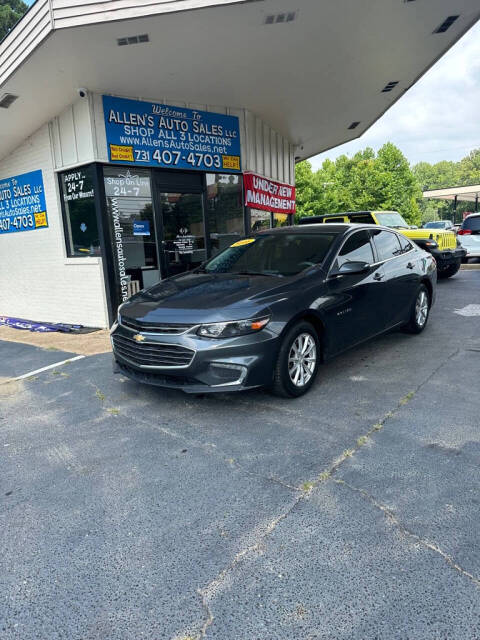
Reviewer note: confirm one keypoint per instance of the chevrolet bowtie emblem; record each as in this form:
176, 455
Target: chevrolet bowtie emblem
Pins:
139, 337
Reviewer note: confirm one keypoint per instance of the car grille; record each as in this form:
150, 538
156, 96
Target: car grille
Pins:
445, 240
174, 328
149, 354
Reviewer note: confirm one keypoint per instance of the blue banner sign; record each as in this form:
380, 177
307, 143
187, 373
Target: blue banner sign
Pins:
22, 203
158, 135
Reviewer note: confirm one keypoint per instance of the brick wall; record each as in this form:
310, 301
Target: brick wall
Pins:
37, 280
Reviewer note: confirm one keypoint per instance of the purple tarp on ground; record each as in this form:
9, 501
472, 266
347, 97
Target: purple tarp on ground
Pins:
44, 327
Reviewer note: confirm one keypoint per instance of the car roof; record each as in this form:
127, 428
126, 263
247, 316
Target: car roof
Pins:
471, 215
321, 228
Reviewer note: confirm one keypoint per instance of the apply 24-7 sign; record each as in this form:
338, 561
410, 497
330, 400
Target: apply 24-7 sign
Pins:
158, 135
22, 203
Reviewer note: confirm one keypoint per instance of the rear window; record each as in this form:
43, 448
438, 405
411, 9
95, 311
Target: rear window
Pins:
472, 223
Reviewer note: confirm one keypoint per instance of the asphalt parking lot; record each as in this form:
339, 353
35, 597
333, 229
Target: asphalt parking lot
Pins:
131, 512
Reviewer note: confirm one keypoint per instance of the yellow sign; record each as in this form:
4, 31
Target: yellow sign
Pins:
117, 152
41, 219
240, 243
231, 162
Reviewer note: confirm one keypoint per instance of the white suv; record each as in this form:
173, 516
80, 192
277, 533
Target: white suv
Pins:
469, 236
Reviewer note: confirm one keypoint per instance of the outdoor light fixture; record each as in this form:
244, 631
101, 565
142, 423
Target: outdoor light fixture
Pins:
133, 40
7, 100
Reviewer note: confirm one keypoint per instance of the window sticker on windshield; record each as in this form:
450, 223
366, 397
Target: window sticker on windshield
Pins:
240, 243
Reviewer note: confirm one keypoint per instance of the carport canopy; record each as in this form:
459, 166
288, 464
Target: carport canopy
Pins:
466, 194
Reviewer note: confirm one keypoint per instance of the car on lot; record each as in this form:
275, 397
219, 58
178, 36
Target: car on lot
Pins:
440, 224
270, 308
469, 235
441, 243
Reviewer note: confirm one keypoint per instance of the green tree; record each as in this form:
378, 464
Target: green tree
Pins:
363, 182
10, 13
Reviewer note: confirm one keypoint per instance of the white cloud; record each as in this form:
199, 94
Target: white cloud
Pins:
439, 118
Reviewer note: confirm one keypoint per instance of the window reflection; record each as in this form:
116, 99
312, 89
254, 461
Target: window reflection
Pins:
224, 210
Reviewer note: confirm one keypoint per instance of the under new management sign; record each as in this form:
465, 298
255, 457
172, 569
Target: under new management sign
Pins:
268, 195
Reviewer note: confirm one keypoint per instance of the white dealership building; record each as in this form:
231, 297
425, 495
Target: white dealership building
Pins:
138, 138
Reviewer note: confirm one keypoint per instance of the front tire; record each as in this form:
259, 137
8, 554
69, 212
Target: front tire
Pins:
420, 311
297, 361
449, 271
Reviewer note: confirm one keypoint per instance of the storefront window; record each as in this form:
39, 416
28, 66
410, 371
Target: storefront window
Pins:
281, 219
260, 220
225, 210
132, 229
78, 196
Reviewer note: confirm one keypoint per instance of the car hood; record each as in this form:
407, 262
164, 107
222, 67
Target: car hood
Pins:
198, 298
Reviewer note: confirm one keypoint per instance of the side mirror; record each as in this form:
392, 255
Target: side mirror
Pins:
351, 268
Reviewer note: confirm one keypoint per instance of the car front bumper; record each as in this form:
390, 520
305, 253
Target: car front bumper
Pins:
447, 257
216, 365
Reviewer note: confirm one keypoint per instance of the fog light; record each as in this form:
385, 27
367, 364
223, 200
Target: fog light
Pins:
227, 373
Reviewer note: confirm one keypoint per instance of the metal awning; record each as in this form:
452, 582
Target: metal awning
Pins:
318, 73
470, 193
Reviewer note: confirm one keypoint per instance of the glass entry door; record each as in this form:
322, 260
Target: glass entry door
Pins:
183, 244
132, 230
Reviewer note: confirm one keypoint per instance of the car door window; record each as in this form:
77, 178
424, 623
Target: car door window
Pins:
405, 244
357, 248
387, 244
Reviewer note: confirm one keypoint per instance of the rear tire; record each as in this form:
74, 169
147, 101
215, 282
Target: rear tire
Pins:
449, 271
420, 311
297, 361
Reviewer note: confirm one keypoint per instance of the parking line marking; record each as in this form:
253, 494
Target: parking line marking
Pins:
50, 366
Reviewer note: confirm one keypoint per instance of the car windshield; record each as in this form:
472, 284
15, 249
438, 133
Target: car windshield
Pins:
276, 254
391, 219
436, 225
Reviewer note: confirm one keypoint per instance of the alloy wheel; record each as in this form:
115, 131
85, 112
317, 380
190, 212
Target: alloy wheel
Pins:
302, 359
421, 308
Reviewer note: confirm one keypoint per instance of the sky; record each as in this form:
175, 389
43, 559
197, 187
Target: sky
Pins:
438, 118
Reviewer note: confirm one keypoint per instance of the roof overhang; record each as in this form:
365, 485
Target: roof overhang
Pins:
466, 194
311, 77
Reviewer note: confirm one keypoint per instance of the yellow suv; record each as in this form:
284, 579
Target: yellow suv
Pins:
442, 244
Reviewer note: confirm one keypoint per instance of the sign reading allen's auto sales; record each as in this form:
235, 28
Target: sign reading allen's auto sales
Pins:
268, 195
150, 134
22, 203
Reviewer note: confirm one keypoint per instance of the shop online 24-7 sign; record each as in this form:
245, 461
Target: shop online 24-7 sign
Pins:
22, 203
158, 135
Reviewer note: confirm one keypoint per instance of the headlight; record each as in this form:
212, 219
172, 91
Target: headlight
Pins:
232, 329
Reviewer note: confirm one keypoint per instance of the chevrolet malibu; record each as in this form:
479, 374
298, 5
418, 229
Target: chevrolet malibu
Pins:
269, 309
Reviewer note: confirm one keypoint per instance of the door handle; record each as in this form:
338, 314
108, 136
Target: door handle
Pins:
378, 276
410, 265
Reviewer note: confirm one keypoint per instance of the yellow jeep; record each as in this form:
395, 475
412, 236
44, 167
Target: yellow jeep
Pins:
443, 245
